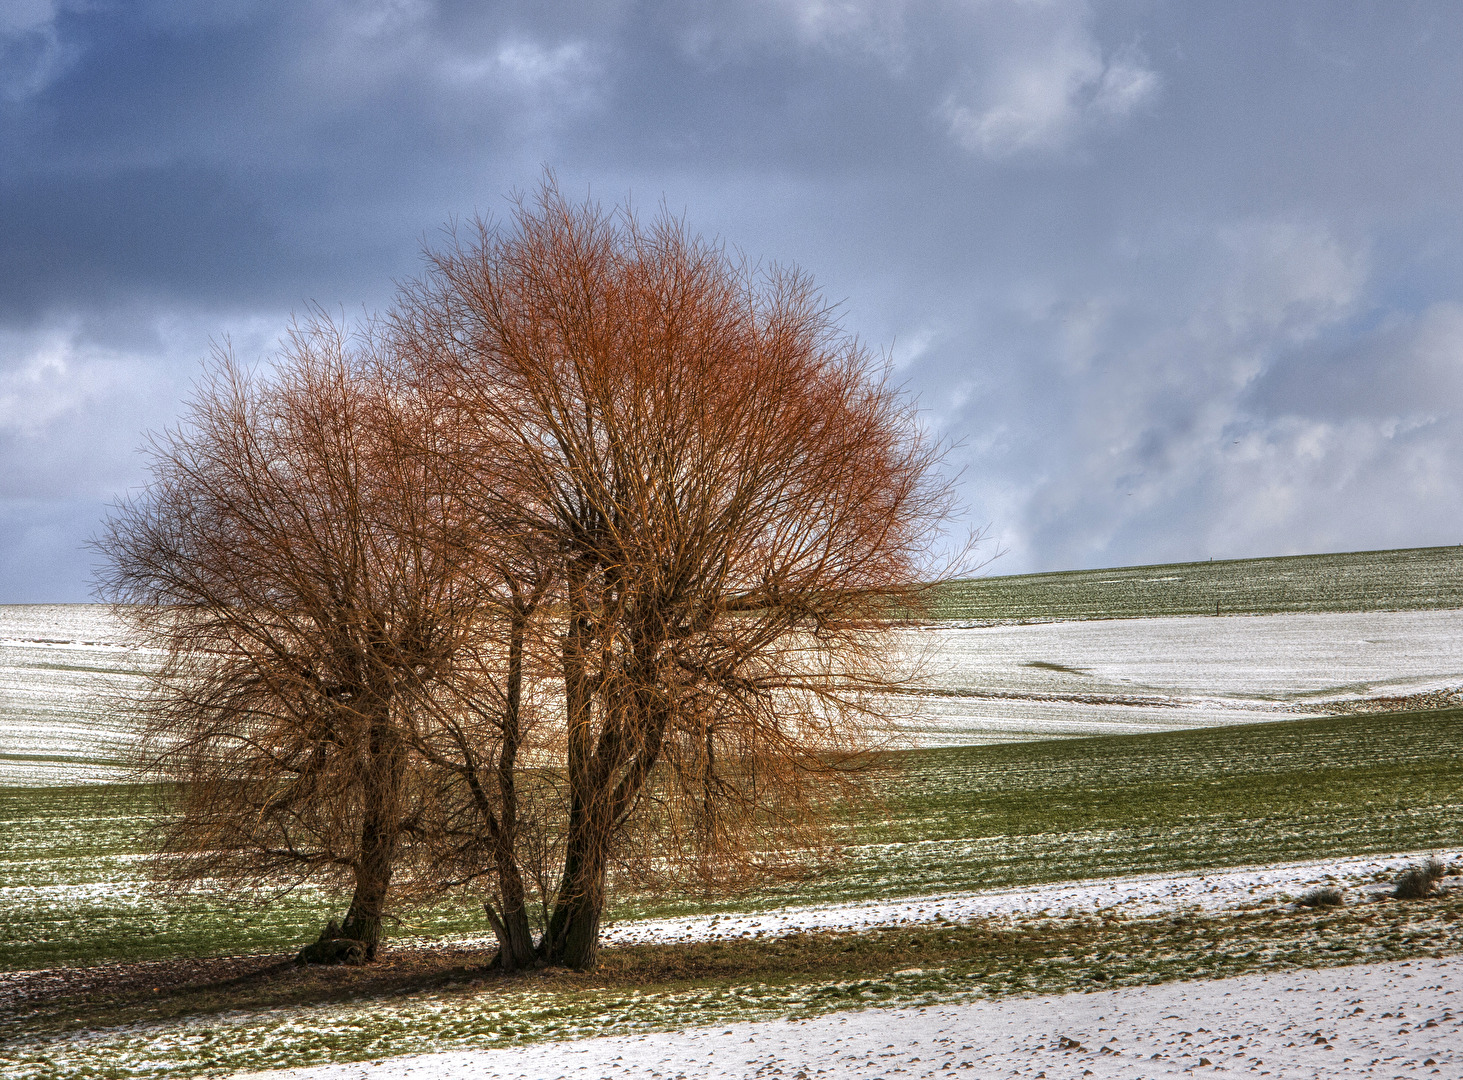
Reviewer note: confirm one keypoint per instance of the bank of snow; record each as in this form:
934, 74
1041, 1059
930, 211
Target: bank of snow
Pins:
1141, 894
1398, 1019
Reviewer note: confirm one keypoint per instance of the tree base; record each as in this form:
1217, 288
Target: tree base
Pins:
332, 948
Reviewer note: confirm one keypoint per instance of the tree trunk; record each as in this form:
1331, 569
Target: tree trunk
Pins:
510, 922
373, 878
577, 945
380, 833
572, 937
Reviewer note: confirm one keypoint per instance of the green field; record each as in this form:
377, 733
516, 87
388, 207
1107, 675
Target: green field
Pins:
951, 819
1402, 580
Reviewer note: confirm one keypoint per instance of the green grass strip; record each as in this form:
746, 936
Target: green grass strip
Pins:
1400, 580
1025, 813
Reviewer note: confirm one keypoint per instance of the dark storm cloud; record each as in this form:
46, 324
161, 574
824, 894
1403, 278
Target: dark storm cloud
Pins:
1182, 280
252, 159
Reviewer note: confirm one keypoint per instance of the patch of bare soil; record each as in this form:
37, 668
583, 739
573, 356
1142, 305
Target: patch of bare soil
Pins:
1447, 698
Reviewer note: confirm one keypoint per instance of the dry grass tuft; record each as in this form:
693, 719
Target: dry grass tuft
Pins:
1420, 881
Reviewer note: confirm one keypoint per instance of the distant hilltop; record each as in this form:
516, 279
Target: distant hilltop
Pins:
1408, 579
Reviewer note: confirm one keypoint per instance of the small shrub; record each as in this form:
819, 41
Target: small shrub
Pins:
1420, 881
1325, 896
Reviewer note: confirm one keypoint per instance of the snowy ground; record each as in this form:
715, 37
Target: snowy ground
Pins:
1382, 1020
1142, 894
65, 669
1099, 677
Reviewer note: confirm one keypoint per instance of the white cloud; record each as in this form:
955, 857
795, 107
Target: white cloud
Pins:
715, 34
1006, 77
1286, 279
55, 375
908, 349
1299, 484
382, 18
534, 67
1433, 363
35, 393
1150, 438
1126, 85
541, 84
1347, 449
75, 398
20, 17
873, 25
32, 53
1049, 86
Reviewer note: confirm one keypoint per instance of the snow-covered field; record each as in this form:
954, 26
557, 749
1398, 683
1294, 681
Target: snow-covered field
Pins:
1042, 680
65, 669
1379, 1020
666, 1032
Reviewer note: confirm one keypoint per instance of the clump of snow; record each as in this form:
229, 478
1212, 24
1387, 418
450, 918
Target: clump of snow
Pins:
1397, 1019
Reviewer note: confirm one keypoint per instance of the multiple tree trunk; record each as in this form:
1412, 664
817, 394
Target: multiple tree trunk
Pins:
603, 532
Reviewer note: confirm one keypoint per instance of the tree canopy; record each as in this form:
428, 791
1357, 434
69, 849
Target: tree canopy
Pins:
575, 570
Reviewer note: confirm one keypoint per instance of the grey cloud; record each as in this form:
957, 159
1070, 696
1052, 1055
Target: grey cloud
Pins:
204, 157
1408, 368
1208, 255
84, 241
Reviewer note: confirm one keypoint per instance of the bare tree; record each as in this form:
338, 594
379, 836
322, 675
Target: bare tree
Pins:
728, 503
583, 568
308, 588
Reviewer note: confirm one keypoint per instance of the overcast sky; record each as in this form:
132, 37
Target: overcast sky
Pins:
1183, 280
